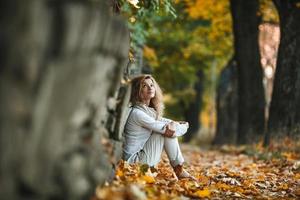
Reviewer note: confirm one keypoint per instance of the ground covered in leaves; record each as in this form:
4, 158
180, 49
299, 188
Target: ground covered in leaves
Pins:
228, 172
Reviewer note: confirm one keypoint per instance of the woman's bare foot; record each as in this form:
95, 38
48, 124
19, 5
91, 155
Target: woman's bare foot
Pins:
181, 173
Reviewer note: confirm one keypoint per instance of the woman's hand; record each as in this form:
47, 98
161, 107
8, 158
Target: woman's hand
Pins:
170, 129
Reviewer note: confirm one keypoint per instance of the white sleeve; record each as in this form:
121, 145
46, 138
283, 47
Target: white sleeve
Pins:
165, 120
181, 129
144, 120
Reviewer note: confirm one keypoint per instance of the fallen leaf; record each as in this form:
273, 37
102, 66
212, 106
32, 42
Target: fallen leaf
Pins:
203, 193
119, 173
148, 179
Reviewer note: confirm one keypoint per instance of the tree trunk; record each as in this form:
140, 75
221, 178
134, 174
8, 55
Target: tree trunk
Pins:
193, 111
250, 87
226, 106
60, 63
284, 117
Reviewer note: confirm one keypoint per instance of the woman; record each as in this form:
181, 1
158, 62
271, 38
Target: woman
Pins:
147, 133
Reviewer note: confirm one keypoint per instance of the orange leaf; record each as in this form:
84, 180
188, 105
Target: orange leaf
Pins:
222, 186
203, 180
284, 186
203, 193
148, 179
119, 173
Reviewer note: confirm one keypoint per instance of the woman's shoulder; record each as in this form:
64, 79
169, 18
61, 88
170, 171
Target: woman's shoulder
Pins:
137, 115
137, 111
140, 113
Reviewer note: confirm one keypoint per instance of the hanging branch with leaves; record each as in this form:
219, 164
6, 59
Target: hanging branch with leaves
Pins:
140, 14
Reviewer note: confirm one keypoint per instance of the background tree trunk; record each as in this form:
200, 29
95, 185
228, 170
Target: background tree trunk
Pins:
61, 61
285, 105
250, 87
227, 111
193, 111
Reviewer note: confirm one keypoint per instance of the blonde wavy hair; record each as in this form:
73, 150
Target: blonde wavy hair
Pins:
156, 102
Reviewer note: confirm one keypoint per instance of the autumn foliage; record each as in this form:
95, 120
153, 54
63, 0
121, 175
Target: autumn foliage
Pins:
229, 172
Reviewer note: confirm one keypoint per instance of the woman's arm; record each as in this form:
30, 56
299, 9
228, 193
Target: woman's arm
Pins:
144, 120
169, 120
167, 127
165, 119
179, 128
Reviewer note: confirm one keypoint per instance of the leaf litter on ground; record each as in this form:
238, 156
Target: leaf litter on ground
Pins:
227, 172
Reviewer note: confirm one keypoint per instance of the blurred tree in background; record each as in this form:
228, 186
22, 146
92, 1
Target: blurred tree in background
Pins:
187, 54
242, 79
251, 102
186, 44
285, 107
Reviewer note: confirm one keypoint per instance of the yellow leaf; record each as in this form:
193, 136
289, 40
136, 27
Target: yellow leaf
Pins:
102, 193
131, 56
239, 190
119, 173
203, 180
284, 186
148, 179
289, 155
222, 186
203, 193
260, 178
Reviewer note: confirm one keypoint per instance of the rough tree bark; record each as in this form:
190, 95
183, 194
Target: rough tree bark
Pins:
227, 111
284, 117
250, 87
60, 63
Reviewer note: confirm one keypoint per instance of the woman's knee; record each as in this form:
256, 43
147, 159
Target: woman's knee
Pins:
172, 139
157, 136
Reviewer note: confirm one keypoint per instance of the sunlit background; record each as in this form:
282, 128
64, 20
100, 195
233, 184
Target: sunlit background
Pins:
186, 45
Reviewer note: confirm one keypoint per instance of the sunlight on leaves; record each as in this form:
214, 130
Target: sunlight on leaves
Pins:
148, 179
229, 172
134, 3
203, 193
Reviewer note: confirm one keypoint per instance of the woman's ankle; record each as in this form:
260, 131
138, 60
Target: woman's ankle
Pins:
181, 173
178, 169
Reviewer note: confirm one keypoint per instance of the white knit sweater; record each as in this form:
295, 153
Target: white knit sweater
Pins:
141, 123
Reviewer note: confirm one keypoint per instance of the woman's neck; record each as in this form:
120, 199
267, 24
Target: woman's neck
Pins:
146, 103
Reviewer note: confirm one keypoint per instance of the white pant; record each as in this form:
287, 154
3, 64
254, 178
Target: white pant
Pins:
152, 150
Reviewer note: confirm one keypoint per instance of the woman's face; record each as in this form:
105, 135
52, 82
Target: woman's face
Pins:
147, 90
